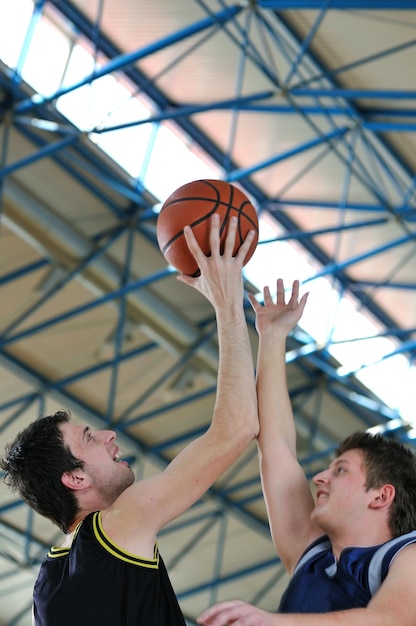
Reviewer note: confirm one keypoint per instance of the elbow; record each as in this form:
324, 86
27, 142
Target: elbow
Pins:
250, 431
252, 425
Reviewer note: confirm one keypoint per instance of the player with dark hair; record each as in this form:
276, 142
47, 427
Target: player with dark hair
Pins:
110, 572
351, 552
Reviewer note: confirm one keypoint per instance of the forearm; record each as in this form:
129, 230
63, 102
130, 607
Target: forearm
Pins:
350, 617
236, 400
275, 410
240, 613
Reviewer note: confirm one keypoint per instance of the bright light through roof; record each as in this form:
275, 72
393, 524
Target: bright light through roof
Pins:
349, 335
148, 150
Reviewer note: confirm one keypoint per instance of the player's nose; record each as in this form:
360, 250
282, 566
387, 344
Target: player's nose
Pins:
320, 478
108, 436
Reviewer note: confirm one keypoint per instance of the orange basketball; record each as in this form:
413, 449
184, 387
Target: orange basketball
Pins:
193, 204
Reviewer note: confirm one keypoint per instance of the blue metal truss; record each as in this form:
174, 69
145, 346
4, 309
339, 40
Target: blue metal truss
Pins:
310, 90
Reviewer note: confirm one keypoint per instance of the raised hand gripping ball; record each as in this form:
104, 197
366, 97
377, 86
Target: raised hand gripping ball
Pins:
193, 204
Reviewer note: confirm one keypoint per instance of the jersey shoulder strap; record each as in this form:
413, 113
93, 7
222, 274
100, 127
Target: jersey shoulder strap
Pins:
322, 544
383, 557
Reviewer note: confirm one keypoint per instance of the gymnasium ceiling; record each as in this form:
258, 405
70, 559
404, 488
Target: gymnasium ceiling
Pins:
309, 108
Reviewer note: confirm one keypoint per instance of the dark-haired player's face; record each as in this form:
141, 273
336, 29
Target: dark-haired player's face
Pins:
106, 472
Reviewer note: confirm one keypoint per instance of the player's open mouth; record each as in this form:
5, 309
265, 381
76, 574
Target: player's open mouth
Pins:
118, 459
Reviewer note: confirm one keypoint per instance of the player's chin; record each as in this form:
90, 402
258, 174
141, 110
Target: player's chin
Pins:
317, 516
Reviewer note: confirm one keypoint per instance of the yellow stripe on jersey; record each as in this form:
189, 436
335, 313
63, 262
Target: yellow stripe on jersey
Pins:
55, 552
118, 552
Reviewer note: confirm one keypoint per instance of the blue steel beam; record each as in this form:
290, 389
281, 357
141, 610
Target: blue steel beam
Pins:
121, 324
330, 74
23, 271
308, 145
236, 575
13, 504
34, 21
298, 235
369, 112
8, 404
193, 540
125, 60
377, 5
280, 204
390, 284
70, 275
52, 321
91, 371
334, 267
82, 162
185, 110
24, 402
190, 399
71, 400
219, 557
389, 127
353, 94
47, 151
353, 110
177, 367
252, 106
320, 365
325, 4
134, 74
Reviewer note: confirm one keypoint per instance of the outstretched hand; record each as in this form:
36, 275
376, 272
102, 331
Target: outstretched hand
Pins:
236, 613
284, 315
220, 280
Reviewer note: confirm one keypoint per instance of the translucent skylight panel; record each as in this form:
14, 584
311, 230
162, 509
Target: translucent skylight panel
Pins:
163, 158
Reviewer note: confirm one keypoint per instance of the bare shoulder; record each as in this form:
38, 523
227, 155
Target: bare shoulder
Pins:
395, 599
131, 522
405, 562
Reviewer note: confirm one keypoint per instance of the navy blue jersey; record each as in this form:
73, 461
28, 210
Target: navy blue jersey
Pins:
320, 584
94, 582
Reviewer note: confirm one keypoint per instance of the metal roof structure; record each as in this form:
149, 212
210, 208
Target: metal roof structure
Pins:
308, 106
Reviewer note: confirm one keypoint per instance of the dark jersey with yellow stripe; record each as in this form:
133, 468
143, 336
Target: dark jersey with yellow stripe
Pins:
96, 583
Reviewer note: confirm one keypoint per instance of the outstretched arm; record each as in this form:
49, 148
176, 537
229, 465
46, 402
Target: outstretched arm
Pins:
286, 491
235, 420
392, 605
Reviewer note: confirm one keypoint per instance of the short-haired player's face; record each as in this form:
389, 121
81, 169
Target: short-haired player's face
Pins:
108, 474
341, 495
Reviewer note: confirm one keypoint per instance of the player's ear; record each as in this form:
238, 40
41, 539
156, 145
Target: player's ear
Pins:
75, 480
384, 496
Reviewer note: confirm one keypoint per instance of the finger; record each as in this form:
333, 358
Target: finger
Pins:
214, 235
220, 613
303, 301
185, 278
280, 291
230, 239
193, 244
267, 296
254, 302
295, 294
245, 247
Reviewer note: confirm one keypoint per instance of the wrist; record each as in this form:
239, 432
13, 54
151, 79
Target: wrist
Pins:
274, 335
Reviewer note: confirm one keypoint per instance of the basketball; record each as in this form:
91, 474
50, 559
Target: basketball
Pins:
193, 204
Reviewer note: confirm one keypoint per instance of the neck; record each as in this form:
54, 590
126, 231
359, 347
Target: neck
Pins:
363, 538
88, 503
79, 517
